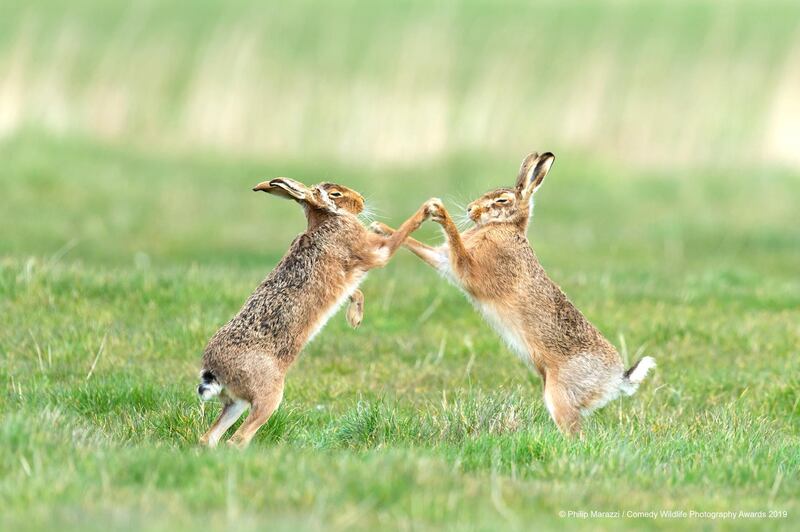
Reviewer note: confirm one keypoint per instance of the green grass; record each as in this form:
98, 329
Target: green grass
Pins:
131, 134
117, 266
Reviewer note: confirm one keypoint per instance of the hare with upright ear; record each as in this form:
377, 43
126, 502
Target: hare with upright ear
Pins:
246, 361
493, 263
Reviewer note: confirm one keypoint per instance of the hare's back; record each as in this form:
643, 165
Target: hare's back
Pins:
275, 314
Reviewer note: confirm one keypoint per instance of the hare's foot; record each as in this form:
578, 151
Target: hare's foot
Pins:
231, 411
566, 415
260, 412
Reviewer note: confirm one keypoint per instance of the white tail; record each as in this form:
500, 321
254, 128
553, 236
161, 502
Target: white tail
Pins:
632, 378
209, 386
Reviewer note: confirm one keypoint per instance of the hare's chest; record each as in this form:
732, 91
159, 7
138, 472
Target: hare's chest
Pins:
505, 328
440, 259
349, 285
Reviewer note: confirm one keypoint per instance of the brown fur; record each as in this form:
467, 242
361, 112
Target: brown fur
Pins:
249, 356
494, 264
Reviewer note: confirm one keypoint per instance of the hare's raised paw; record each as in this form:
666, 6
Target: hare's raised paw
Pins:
435, 209
355, 310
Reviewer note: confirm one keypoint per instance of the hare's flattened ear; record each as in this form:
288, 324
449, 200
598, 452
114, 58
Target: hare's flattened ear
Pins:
537, 172
264, 186
524, 168
284, 188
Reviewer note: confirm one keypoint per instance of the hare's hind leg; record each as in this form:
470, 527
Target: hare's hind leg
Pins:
231, 410
261, 409
566, 415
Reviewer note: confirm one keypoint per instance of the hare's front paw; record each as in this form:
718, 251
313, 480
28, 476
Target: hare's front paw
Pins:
380, 229
354, 315
435, 209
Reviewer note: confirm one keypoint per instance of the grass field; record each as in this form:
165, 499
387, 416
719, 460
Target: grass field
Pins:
132, 133
112, 284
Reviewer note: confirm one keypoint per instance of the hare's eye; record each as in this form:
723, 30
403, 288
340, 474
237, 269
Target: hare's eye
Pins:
336, 194
501, 200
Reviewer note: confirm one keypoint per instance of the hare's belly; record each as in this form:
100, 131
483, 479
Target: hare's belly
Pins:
511, 336
329, 312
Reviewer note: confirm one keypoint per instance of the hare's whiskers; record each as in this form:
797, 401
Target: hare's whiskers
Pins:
462, 221
457, 202
370, 213
461, 217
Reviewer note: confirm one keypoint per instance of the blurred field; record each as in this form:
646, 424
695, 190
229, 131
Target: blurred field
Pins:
133, 134
658, 82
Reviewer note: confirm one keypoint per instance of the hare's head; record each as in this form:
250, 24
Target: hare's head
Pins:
513, 205
328, 197
338, 198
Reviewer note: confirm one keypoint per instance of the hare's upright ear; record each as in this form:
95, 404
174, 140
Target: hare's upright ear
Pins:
524, 168
532, 172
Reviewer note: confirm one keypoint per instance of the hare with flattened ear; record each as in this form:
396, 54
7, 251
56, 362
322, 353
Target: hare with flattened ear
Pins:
493, 263
246, 361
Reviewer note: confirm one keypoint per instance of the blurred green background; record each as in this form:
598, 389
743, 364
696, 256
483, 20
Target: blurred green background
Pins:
118, 118
132, 133
659, 83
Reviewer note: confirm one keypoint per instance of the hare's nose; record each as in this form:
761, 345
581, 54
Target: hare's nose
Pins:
470, 208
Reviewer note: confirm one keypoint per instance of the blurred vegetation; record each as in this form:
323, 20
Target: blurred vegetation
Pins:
654, 82
132, 133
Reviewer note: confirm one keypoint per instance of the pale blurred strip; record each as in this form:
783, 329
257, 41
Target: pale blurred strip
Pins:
661, 83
